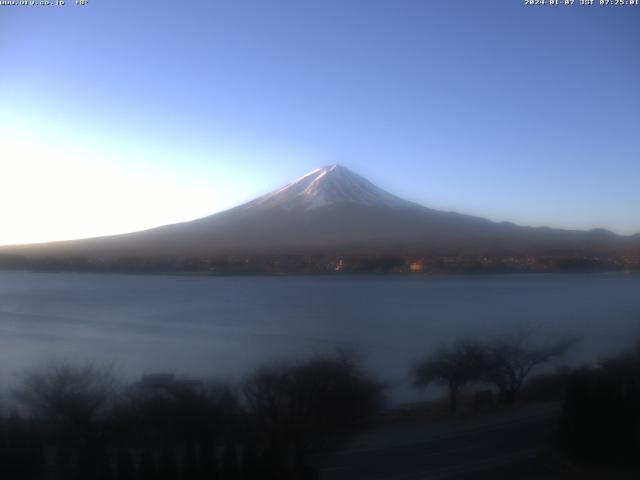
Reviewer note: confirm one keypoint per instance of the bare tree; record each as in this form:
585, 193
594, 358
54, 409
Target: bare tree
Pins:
62, 391
75, 399
510, 359
297, 408
454, 367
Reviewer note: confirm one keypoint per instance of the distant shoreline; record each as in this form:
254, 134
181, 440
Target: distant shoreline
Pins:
440, 274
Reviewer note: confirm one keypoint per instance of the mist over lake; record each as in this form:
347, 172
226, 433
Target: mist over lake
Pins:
225, 326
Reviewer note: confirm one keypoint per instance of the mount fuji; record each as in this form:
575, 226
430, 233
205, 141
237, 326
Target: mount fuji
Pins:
332, 210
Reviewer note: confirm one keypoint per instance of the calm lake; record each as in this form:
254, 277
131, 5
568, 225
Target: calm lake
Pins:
225, 326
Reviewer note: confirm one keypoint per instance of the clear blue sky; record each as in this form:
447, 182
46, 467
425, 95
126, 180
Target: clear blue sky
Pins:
126, 114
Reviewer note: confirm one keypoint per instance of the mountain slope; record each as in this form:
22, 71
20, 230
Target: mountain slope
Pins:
333, 210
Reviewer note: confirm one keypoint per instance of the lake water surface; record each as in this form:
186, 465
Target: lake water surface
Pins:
225, 326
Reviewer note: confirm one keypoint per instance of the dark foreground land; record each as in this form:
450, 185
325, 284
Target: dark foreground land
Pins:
591, 434
323, 418
505, 445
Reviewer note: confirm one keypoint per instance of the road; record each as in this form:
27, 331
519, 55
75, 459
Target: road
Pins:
495, 446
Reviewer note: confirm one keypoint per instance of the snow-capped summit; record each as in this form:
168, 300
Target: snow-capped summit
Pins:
328, 185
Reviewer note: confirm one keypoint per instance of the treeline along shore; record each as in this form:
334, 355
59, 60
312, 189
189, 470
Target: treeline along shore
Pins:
432, 264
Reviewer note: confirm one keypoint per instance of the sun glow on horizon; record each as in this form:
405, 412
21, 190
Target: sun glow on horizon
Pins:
51, 191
